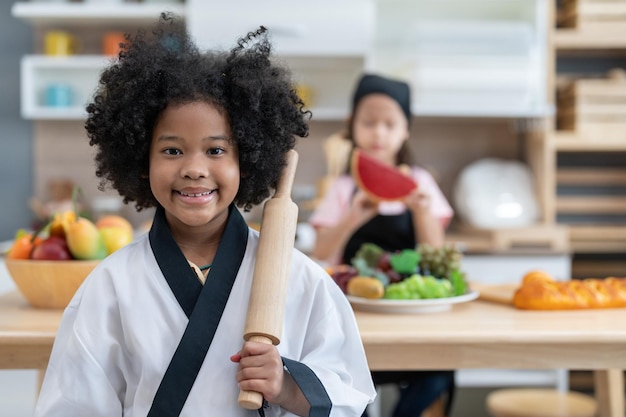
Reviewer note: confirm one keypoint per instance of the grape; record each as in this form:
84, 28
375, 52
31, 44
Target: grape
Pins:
397, 291
439, 262
383, 262
342, 275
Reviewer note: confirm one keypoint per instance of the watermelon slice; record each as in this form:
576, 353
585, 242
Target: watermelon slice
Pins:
379, 181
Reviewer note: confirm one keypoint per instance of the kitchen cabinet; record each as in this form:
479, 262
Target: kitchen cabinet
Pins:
467, 58
585, 172
463, 59
325, 43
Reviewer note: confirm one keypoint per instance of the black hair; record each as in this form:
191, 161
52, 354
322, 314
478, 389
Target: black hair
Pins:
161, 67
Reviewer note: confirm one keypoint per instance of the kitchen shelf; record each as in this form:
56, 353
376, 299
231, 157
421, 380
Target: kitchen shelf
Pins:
609, 238
584, 204
79, 73
591, 176
47, 14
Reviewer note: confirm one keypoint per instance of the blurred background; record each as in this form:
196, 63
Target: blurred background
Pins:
537, 84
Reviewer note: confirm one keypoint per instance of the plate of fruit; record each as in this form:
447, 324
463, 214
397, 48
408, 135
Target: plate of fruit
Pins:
420, 280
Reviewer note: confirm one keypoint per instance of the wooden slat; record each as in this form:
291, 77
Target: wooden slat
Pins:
590, 39
597, 246
612, 232
598, 238
576, 142
540, 237
590, 204
591, 176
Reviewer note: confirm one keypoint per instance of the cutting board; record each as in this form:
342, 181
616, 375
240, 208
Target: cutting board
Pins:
496, 293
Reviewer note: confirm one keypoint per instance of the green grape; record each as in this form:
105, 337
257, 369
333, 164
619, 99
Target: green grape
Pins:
415, 284
436, 288
397, 291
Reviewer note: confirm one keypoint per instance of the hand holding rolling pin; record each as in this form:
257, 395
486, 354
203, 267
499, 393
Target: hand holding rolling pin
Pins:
266, 307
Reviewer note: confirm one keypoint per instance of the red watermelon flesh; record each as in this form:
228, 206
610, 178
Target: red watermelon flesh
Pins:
379, 181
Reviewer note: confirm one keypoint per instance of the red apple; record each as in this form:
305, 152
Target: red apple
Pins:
53, 248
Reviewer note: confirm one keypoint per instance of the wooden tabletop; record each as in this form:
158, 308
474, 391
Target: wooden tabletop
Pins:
476, 334
26, 333
480, 334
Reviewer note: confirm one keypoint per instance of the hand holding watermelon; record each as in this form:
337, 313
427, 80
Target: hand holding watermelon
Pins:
379, 181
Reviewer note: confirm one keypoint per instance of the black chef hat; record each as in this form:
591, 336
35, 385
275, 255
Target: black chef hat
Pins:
397, 90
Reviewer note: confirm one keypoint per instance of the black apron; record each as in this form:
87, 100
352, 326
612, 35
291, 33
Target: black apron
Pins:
203, 305
392, 233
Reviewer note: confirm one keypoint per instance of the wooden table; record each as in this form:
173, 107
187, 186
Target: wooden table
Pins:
477, 334
481, 334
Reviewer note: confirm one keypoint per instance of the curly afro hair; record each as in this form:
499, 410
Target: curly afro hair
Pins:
162, 67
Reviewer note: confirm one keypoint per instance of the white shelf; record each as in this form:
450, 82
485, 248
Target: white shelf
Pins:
80, 73
46, 14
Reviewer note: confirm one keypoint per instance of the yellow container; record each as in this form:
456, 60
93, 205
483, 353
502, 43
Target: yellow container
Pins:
48, 284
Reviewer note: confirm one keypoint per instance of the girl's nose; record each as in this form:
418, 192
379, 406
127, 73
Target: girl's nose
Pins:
196, 167
380, 130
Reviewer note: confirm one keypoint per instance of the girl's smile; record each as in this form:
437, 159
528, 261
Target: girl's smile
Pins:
190, 196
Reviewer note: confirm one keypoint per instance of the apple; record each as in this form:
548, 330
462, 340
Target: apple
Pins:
113, 220
115, 238
53, 248
115, 230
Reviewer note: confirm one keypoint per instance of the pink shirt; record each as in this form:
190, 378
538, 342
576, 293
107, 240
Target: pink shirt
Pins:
336, 202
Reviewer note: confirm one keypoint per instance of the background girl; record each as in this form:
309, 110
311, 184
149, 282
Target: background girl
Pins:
346, 217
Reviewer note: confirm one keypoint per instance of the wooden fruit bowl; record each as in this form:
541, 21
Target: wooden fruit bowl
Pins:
48, 284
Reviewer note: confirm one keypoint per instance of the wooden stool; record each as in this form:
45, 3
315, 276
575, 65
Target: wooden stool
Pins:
530, 402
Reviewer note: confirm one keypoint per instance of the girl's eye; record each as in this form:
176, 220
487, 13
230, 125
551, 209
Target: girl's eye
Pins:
215, 151
172, 151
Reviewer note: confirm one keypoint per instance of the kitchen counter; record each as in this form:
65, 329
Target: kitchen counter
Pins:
476, 334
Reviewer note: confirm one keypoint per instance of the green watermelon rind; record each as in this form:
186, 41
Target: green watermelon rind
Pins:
395, 185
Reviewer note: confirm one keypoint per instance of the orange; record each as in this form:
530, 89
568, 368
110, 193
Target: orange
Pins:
22, 245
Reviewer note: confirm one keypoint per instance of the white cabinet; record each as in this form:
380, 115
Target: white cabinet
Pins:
325, 43
464, 58
322, 28
467, 57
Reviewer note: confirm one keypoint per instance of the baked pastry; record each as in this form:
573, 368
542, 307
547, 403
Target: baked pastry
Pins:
539, 291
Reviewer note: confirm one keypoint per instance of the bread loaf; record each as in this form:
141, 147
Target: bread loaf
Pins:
539, 291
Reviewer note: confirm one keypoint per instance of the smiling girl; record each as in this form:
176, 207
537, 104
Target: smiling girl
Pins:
156, 329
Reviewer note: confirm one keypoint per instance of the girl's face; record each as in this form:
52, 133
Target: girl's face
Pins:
379, 127
194, 165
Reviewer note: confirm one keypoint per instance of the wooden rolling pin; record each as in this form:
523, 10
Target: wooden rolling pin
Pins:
266, 308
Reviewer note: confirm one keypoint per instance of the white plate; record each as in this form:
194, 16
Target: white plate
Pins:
432, 305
